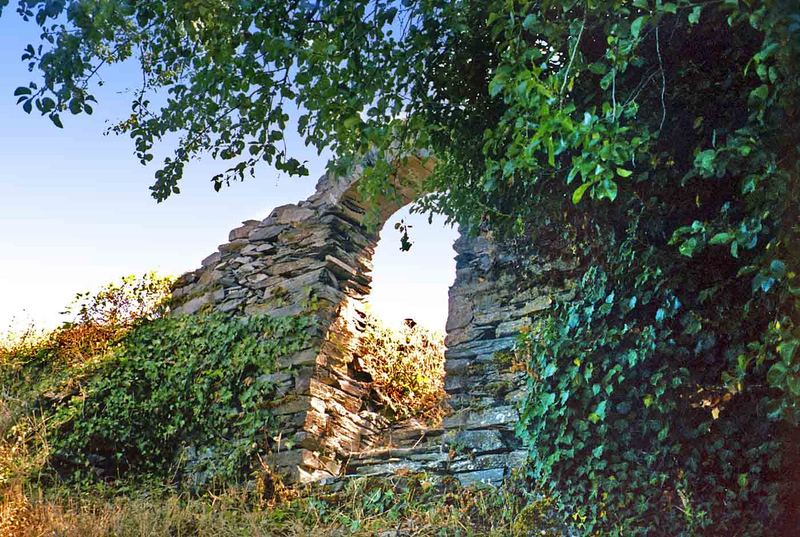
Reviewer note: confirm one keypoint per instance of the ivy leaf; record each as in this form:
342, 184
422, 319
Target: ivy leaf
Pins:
721, 238
793, 383
760, 93
688, 247
787, 350
776, 374
670, 7
778, 268
694, 16
529, 22
705, 161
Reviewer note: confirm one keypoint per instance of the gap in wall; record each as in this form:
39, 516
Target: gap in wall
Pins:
413, 284
405, 360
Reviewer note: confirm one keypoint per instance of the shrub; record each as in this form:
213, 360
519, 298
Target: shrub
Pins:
97, 320
124, 302
406, 366
101, 317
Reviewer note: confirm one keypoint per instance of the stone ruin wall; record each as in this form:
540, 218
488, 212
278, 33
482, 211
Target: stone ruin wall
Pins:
314, 257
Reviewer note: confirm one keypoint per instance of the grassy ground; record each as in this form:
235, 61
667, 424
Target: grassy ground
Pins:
395, 507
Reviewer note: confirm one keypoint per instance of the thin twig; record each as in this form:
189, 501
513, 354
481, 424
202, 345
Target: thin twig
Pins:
663, 82
614, 94
574, 51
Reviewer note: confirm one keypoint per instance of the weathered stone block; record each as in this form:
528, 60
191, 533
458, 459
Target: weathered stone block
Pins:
243, 231
211, 260
289, 214
459, 312
493, 477
233, 246
266, 233
477, 419
481, 441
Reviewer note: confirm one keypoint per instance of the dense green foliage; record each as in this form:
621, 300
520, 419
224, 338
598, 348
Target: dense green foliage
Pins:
665, 393
662, 138
182, 395
122, 390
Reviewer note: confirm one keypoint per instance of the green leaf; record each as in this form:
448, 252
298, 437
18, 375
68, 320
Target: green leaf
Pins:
580, 191
787, 350
778, 268
705, 161
352, 121
48, 104
760, 93
688, 247
22, 90
793, 383
742, 480
529, 21
607, 189
622, 172
694, 16
721, 238
776, 374
600, 411
636, 26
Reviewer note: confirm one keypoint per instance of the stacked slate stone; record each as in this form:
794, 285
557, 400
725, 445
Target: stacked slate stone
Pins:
314, 258
492, 300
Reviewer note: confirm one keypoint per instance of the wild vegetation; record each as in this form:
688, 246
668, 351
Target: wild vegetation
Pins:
405, 505
407, 368
660, 137
126, 421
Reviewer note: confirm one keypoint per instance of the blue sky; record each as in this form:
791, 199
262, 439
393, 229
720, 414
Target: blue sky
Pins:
76, 212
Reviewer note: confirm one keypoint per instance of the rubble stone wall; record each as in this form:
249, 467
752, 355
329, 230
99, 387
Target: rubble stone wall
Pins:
314, 258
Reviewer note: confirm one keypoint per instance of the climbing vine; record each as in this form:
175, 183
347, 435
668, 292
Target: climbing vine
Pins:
664, 393
661, 137
181, 396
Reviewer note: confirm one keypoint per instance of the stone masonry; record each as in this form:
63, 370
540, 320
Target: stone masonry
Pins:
314, 258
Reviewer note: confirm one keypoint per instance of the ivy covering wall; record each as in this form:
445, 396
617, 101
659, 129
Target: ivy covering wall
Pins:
187, 396
661, 137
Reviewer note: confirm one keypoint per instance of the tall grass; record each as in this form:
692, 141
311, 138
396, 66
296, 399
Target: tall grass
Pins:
412, 505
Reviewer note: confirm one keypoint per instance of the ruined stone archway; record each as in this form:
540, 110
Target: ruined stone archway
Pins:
319, 251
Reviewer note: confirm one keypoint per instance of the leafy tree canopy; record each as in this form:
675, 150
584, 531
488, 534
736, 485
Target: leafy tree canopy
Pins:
661, 138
